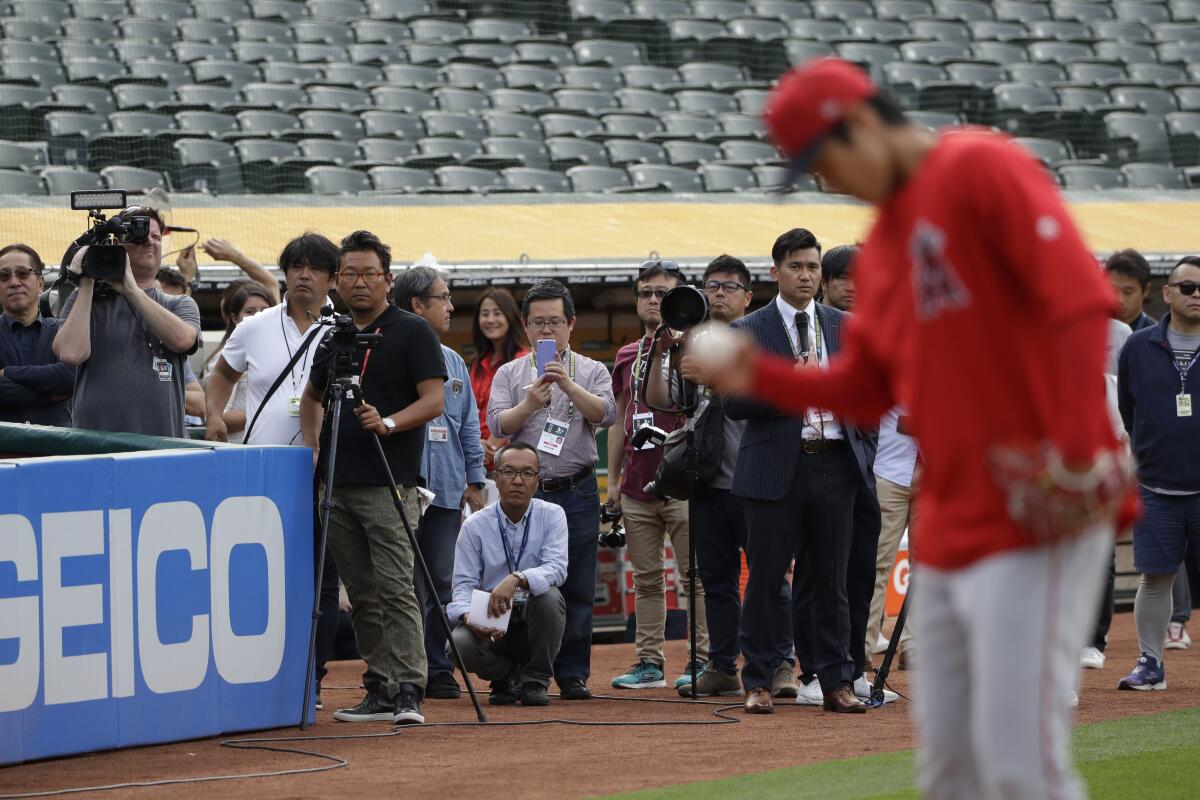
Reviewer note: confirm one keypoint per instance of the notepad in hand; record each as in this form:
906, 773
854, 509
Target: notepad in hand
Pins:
479, 612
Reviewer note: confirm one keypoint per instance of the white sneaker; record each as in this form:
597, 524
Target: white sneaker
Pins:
1091, 658
1074, 699
881, 645
1177, 637
810, 694
862, 690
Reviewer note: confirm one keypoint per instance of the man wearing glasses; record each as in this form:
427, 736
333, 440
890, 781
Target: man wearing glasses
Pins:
649, 519
1158, 384
558, 414
34, 386
516, 550
451, 466
401, 384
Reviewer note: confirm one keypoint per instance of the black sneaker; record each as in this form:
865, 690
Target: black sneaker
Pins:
442, 686
408, 706
533, 694
503, 693
574, 689
373, 708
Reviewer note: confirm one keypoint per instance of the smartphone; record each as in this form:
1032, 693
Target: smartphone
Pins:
547, 351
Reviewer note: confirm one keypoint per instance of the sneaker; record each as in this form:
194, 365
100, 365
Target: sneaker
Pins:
685, 680
503, 693
862, 690
1177, 637
373, 708
783, 682
881, 645
712, 681
533, 694
442, 686
642, 675
1074, 699
810, 694
408, 706
1091, 658
574, 689
1147, 675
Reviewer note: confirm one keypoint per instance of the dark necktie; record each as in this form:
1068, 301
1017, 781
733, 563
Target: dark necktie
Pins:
802, 334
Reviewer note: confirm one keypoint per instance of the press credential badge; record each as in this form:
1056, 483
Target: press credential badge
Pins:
553, 436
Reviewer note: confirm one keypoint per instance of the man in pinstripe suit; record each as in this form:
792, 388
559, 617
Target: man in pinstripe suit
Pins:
799, 478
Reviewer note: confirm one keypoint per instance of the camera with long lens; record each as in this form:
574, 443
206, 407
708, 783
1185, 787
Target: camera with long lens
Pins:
105, 258
615, 535
682, 309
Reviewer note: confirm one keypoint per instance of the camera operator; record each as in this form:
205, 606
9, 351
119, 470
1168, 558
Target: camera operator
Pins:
452, 467
129, 343
401, 389
649, 519
515, 548
34, 386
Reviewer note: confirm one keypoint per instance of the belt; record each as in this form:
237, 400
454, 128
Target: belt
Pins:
816, 447
560, 484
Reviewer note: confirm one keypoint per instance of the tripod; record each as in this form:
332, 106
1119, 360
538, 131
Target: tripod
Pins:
342, 388
876, 699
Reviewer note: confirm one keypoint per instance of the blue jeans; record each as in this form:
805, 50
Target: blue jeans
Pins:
718, 522
1168, 530
582, 506
437, 535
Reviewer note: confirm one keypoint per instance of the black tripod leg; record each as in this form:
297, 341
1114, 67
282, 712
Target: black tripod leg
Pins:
885, 667
335, 406
420, 560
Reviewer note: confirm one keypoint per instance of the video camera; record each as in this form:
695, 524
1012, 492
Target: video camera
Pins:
105, 258
615, 535
348, 345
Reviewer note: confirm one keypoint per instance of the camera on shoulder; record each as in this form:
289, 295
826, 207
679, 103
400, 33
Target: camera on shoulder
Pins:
105, 258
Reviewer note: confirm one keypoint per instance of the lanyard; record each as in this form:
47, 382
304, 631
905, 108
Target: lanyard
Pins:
1183, 371
570, 372
288, 345
363, 372
513, 564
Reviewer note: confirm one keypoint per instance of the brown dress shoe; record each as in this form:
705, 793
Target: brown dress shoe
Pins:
759, 701
842, 700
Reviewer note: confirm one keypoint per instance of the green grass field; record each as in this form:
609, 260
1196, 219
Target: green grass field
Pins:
1155, 755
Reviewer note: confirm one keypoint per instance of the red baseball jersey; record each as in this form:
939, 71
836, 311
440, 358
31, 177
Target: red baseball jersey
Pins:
970, 273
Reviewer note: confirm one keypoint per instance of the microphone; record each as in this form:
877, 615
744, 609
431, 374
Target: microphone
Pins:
180, 229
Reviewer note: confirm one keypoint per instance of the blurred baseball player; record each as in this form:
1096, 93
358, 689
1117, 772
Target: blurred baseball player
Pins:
982, 312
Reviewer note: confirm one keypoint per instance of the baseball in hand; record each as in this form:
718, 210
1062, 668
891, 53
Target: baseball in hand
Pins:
722, 356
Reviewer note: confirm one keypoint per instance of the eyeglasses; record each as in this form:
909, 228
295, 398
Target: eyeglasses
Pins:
645, 293
669, 266
22, 273
353, 278
729, 286
554, 324
444, 297
509, 473
1187, 288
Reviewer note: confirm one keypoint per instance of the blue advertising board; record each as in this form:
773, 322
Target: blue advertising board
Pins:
152, 597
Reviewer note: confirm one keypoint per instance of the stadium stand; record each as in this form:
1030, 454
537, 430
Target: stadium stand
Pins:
335, 96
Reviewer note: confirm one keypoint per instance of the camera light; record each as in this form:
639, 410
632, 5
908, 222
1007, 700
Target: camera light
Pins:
87, 201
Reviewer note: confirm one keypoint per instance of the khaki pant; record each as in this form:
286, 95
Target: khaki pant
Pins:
375, 561
897, 511
647, 526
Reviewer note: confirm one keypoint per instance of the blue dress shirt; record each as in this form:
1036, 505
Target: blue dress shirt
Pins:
449, 466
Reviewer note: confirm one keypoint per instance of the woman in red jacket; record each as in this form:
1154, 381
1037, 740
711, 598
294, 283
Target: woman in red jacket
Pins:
499, 337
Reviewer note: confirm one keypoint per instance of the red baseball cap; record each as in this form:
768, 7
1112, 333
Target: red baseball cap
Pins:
808, 102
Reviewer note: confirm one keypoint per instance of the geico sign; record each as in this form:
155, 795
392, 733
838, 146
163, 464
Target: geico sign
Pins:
900, 575
165, 668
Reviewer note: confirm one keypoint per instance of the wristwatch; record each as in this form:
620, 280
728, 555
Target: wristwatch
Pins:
520, 576
390, 424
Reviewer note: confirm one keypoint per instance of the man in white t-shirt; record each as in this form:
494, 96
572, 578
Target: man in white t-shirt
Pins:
261, 348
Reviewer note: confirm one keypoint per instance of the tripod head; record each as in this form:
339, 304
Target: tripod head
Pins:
349, 347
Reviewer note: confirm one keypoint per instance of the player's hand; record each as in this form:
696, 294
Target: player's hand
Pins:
216, 430
1055, 501
722, 358
368, 417
501, 599
537, 396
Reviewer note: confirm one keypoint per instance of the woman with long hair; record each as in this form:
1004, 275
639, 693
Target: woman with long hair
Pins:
499, 337
238, 303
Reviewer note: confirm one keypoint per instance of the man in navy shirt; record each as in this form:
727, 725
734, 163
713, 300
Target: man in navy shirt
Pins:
34, 385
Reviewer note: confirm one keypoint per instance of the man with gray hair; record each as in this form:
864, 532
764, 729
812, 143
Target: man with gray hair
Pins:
452, 467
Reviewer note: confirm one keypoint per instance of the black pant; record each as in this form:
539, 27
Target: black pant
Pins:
1104, 620
860, 573
812, 523
718, 525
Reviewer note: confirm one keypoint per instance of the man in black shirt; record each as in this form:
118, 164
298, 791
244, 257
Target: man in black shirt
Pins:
401, 383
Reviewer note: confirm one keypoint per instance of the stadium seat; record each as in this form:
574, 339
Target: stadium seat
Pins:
1183, 131
467, 179
435, 151
1145, 13
683, 125
438, 30
269, 166
374, 31
603, 51
43, 73
274, 95
842, 9
385, 151
1158, 74
1081, 12
1007, 53
336, 180
631, 126
206, 124
204, 165
632, 151
966, 10
140, 96
935, 52
571, 125
31, 30
531, 76
276, 124
1090, 177
319, 53
1144, 98
760, 31
645, 101
15, 182
42, 10
97, 9
1137, 137
401, 179
280, 10
665, 10
86, 30
262, 52
939, 30
260, 30
870, 56
147, 30
998, 30
206, 31
467, 100
336, 10
741, 126
1153, 176
699, 102
1061, 29
748, 154
723, 10
585, 101
903, 9
431, 53
96, 99
313, 31
225, 73
336, 124
933, 120
725, 178
1050, 152
351, 75
524, 101
76, 51
221, 10
1059, 52
401, 99
376, 54
567, 152
650, 76
187, 52
798, 51
499, 30
23, 156
1122, 31
1019, 105
34, 51
472, 76
398, 9
64, 180
1128, 52
673, 179
560, 55
594, 77
166, 10
339, 98
1037, 74
597, 179
284, 72
133, 179
509, 123
536, 180
69, 133
330, 150
691, 154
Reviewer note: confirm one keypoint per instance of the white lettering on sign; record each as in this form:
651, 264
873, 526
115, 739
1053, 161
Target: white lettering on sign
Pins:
38, 624
900, 576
